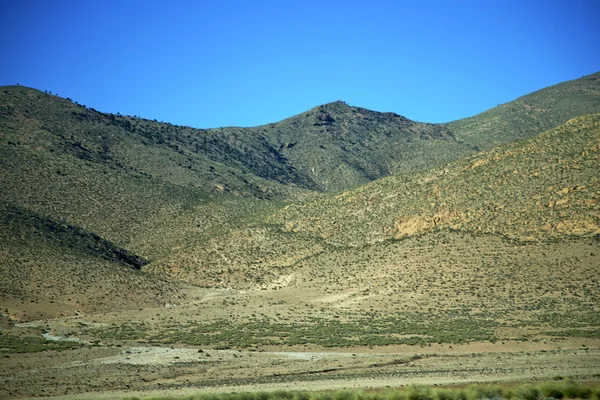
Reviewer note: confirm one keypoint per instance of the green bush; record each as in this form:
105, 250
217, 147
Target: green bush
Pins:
450, 394
344, 395
552, 389
527, 393
395, 395
301, 396
419, 392
573, 390
477, 392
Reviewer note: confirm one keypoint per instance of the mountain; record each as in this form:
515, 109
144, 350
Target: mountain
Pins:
499, 246
234, 206
541, 189
150, 186
169, 257
99, 172
328, 148
538, 189
336, 146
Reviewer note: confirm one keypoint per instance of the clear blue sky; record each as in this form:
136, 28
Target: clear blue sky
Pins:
223, 62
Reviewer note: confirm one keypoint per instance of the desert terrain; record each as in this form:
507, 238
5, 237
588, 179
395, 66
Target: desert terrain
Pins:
338, 248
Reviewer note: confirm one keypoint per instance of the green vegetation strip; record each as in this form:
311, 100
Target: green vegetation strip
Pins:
413, 329
31, 344
567, 389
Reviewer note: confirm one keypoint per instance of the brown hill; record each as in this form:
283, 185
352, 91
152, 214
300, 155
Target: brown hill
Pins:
545, 188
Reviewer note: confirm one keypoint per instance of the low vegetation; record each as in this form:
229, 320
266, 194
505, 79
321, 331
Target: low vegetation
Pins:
558, 389
541, 189
411, 329
10, 343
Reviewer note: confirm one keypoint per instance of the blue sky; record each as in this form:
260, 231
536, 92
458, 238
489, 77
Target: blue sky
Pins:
244, 63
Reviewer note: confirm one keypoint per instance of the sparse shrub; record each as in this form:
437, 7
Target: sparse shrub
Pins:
552, 389
527, 393
419, 392
450, 394
477, 392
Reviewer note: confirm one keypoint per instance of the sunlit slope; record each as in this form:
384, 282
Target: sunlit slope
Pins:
337, 146
541, 188
530, 115
545, 188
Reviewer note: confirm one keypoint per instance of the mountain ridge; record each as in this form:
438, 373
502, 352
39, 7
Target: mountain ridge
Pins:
216, 206
530, 114
526, 191
329, 148
178, 258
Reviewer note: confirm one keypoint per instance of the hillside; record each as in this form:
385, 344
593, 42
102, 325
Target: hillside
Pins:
140, 255
337, 146
531, 114
329, 148
501, 245
142, 184
544, 188
32, 120
194, 203
51, 269
95, 171
150, 187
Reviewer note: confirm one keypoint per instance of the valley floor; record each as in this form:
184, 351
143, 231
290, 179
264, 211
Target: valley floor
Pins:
114, 372
441, 310
115, 367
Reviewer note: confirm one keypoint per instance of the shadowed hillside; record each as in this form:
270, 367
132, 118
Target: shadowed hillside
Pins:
85, 168
41, 123
329, 148
50, 268
337, 146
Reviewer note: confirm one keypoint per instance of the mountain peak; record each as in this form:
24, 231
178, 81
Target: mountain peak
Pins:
341, 109
337, 103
